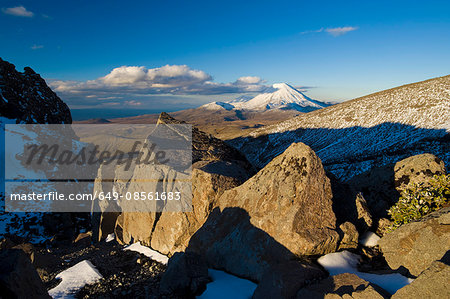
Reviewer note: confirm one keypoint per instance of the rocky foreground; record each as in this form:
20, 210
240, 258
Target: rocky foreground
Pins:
291, 228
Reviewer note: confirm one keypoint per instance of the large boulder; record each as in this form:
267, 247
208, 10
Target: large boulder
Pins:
18, 277
282, 212
290, 199
417, 170
344, 285
418, 244
431, 283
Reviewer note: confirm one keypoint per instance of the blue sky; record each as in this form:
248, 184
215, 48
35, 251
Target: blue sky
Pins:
186, 53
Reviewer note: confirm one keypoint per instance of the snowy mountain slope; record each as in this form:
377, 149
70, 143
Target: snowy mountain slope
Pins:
353, 136
284, 97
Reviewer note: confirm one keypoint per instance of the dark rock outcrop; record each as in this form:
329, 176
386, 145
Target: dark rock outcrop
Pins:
18, 277
285, 279
26, 98
186, 275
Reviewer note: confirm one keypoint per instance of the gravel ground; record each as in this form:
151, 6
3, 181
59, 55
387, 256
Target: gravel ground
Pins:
126, 274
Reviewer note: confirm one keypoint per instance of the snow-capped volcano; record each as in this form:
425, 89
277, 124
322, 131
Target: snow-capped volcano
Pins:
284, 97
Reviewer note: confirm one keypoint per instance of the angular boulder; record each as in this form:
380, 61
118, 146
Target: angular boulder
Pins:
349, 236
417, 169
416, 245
344, 285
431, 283
364, 221
290, 199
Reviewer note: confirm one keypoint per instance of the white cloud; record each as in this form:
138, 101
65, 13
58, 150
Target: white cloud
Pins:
132, 86
312, 31
168, 79
36, 47
249, 80
19, 11
340, 30
132, 103
167, 76
337, 31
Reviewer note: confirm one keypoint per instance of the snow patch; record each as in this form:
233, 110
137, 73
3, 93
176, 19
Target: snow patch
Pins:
369, 239
154, 255
110, 237
226, 286
347, 262
74, 278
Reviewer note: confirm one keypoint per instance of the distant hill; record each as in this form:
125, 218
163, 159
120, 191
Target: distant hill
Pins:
353, 136
93, 121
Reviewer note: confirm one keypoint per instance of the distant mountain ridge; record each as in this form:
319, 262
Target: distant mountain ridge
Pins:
356, 135
285, 97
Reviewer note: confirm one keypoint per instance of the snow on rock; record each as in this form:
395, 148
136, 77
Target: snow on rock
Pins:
346, 262
369, 239
154, 255
226, 286
110, 237
74, 278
